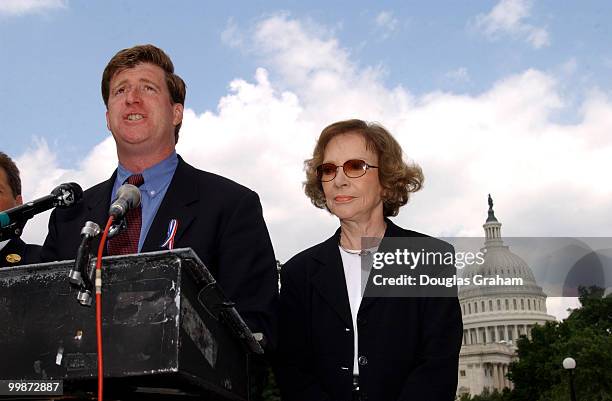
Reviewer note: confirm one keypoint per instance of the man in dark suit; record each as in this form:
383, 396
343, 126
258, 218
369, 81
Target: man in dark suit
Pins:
13, 252
181, 206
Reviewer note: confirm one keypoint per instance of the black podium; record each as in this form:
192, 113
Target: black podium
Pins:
168, 331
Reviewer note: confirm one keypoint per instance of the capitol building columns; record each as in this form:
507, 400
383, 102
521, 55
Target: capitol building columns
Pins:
499, 376
493, 318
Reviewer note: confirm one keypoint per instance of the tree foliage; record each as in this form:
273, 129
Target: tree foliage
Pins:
586, 336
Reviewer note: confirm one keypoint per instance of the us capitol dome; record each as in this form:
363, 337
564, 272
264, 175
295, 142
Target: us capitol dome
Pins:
494, 316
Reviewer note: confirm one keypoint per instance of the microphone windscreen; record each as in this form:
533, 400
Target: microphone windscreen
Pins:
69, 193
130, 193
128, 197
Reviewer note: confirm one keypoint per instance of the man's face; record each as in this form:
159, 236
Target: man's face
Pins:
141, 115
7, 199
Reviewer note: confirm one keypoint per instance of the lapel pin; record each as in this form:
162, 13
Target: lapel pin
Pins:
172, 229
13, 258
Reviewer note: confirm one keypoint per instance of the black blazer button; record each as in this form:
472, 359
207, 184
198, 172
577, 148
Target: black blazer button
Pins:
362, 360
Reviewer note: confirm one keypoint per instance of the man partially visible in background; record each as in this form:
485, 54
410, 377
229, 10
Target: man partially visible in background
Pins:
13, 252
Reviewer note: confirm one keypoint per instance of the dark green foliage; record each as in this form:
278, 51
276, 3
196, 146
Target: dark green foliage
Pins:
488, 396
586, 336
270, 391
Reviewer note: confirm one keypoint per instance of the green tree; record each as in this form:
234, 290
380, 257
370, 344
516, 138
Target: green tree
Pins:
586, 336
488, 395
271, 391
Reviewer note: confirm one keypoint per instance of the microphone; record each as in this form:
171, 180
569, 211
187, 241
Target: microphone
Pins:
128, 197
81, 263
64, 195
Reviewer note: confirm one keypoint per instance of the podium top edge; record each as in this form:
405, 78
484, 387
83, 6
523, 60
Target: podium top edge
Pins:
181, 252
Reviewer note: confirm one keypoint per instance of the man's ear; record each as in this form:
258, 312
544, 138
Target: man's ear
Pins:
19, 200
178, 113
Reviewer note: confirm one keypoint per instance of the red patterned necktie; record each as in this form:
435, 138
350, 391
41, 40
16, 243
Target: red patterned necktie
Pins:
126, 241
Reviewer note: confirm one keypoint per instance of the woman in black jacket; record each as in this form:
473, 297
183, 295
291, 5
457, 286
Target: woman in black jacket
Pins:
335, 344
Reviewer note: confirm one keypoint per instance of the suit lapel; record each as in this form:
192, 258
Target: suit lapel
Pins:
13, 253
329, 279
98, 205
100, 201
179, 203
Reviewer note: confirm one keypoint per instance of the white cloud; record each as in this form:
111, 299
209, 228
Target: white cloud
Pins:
460, 75
386, 23
561, 307
231, 35
538, 37
508, 17
21, 7
569, 67
546, 178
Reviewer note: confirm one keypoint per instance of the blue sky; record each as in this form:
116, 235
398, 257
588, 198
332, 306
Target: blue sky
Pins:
509, 97
53, 57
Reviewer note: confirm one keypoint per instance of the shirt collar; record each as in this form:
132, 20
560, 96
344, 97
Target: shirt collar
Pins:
155, 177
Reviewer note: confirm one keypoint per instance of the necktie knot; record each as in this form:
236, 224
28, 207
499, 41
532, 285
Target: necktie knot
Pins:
136, 180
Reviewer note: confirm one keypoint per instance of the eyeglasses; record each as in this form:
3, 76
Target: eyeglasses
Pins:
352, 168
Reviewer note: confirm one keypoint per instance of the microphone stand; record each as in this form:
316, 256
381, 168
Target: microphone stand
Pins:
82, 274
12, 231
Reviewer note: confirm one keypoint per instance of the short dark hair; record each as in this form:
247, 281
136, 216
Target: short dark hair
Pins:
129, 58
12, 173
397, 178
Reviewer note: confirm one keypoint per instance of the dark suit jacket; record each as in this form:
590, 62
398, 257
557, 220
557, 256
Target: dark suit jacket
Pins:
408, 347
219, 219
27, 253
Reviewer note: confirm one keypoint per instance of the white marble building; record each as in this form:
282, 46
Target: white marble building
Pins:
494, 317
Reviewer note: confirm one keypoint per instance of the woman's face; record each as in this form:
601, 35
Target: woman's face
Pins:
353, 199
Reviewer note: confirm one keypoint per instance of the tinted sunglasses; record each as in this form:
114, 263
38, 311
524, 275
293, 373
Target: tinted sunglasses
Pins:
352, 168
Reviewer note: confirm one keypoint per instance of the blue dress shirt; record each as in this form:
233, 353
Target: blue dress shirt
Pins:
156, 182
